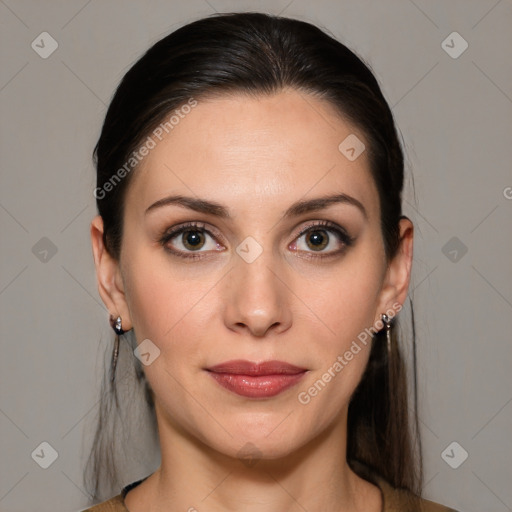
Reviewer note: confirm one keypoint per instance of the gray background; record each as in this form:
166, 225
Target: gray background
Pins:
455, 117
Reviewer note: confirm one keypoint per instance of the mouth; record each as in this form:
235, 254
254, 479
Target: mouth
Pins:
256, 380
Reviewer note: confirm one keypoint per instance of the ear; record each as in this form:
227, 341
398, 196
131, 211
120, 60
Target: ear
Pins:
398, 274
108, 276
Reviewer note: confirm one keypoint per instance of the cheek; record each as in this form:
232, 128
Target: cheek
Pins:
153, 303
168, 304
347, 303
347, 306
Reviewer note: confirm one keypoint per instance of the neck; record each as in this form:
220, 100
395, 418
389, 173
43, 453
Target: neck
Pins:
195, 477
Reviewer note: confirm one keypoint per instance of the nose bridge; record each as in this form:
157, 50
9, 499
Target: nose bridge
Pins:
257, 273
257, 298
254, 279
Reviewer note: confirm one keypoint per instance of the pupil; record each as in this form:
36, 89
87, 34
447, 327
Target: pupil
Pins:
192, 238
318, 239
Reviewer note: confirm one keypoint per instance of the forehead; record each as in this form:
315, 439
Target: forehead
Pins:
243, 150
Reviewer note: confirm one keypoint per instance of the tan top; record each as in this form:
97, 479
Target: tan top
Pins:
393, 500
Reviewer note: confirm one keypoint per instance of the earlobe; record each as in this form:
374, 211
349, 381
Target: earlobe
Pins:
108, 275
398, 274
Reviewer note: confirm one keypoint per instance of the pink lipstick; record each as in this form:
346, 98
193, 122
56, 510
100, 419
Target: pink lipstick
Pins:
256, 380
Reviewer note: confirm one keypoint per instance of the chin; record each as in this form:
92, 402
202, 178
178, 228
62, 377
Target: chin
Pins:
264, 442
249, 450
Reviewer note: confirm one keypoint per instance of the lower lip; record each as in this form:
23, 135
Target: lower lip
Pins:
257, 386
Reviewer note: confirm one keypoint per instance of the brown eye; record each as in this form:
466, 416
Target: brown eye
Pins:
317, 240
193, 239
323, 239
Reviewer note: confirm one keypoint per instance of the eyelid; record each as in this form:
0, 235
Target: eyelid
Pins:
171, 233
329, 226
200, 226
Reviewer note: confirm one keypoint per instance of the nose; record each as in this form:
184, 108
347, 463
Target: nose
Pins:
258, 299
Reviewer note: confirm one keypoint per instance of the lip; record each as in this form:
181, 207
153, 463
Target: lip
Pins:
256, 380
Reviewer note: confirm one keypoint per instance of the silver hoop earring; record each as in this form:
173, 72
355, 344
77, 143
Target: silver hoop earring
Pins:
387, 323
117, 324
115, 354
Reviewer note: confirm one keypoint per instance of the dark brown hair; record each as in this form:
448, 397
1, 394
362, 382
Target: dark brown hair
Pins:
260, 54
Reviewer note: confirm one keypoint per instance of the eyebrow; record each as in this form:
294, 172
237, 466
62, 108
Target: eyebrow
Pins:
297, 208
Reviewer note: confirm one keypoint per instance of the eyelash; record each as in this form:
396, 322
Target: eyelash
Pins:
342, 235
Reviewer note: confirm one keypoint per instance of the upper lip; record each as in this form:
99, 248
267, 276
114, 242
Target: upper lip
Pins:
242, 367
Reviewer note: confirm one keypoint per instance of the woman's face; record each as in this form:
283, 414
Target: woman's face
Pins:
243, 283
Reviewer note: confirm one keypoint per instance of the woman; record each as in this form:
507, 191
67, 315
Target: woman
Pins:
251, 245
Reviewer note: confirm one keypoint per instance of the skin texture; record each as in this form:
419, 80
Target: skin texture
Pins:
255, 156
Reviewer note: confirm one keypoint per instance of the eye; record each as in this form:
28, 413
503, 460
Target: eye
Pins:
194, 241
323, 237
189, 238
